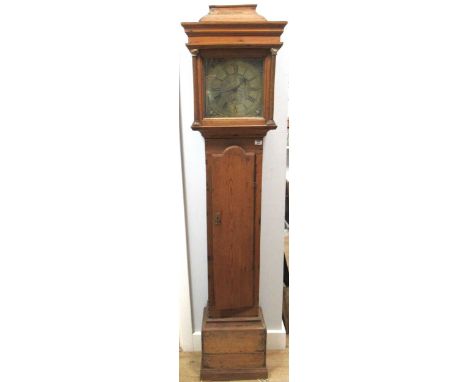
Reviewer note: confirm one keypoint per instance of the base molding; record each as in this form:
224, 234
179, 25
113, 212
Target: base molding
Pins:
228, 375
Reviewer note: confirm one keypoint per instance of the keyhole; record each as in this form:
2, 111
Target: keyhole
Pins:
217, 218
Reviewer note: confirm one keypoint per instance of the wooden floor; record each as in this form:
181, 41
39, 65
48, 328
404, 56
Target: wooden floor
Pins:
277, 363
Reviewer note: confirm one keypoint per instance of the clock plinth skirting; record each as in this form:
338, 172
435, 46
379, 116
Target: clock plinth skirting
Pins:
233, 348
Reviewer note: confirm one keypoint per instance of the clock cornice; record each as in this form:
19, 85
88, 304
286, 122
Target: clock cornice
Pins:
234, 26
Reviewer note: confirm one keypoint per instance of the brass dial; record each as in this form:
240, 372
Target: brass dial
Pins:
234, 87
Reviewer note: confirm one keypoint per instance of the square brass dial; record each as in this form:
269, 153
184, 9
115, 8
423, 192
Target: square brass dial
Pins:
233, 87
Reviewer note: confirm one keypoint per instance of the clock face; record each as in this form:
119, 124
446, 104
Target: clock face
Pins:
233, 87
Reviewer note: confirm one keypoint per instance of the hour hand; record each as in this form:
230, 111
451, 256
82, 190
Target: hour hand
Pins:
220, 90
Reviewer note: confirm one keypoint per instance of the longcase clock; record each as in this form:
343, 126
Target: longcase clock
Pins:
234, 51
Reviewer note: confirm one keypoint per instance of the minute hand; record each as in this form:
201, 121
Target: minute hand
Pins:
229, 89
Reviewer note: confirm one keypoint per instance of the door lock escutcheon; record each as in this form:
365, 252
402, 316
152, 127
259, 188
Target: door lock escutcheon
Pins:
217, 219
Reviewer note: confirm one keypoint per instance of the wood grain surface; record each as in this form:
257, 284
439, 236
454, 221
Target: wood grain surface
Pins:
233, 214
233, 195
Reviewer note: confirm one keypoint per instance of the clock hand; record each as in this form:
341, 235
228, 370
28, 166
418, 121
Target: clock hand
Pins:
225, 90
229, 89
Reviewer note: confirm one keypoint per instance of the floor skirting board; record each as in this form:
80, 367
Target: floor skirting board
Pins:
276, 339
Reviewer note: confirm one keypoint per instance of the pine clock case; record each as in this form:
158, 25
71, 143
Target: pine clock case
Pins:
233, 330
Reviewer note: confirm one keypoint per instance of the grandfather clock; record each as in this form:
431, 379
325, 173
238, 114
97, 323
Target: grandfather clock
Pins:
233, 51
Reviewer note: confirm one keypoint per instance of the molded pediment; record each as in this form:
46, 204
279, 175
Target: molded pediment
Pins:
233, 13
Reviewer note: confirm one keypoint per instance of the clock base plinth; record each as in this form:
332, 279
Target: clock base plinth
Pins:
233, 349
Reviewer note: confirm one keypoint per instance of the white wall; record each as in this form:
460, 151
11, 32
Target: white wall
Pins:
273, 187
